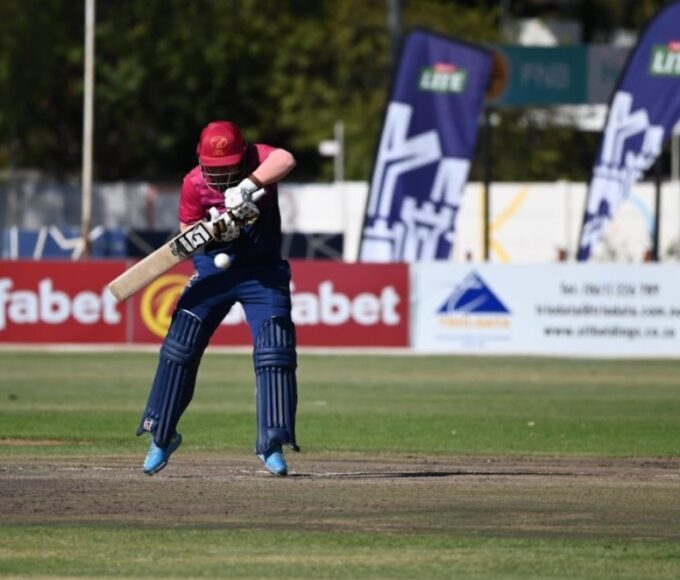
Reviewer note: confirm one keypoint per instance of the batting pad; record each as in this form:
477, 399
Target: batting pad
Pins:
275, 363
175, 379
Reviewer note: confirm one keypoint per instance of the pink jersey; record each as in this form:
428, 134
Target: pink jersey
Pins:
197, 197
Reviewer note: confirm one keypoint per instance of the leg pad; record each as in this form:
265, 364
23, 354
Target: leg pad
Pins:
173, 385
275, 363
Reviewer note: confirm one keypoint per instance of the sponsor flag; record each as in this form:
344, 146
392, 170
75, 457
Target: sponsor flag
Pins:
642, 113
427, 141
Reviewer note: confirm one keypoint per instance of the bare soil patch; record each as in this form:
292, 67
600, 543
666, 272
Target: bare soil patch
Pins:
487, 496
16, 442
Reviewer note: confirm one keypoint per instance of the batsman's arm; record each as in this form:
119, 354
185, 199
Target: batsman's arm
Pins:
275, 167
239, 200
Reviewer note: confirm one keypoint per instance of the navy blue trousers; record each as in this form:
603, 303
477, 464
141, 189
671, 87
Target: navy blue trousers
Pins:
262, 290
264, 293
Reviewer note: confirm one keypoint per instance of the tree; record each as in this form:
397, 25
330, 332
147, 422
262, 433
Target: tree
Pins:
285, 70
40, 72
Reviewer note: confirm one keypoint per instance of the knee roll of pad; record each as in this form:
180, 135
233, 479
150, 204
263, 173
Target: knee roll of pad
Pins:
173, 384
275, 362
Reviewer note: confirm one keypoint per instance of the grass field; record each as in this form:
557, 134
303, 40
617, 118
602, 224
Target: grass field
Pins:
412, 466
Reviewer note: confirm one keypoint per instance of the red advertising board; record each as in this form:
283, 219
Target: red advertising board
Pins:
337, 304
334, 304
59, 302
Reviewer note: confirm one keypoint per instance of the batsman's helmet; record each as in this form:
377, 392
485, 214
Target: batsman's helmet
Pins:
221, 154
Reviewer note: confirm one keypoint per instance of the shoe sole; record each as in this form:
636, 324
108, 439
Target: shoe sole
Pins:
153, 472
162, 465
277, 473
272, 470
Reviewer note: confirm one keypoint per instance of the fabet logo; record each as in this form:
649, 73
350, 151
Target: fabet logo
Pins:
665, 61
443, 78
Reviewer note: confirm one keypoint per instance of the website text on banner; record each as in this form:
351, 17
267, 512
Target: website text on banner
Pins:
553, 309
642, 113
428, 138
334, 304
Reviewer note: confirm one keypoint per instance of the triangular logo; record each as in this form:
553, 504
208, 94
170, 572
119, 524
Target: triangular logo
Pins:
472, 296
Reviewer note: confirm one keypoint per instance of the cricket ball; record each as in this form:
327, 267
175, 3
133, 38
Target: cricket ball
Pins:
222, 261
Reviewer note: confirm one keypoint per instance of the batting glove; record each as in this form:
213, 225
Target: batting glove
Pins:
239, 202
224, 227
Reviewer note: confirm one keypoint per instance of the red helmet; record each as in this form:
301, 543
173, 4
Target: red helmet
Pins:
221, 151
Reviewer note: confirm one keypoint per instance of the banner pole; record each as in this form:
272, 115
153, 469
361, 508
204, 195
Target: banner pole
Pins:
487, 170
88, 122
657, 208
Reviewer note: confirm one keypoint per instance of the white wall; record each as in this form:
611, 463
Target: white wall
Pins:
530, 222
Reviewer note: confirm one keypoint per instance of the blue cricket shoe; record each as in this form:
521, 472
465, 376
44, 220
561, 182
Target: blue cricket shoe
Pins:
157, 457
274, 461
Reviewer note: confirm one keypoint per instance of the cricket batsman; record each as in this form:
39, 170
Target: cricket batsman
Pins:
243, 265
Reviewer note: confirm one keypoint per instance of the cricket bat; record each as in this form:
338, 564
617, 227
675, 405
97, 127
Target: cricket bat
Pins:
164, 258
161, 260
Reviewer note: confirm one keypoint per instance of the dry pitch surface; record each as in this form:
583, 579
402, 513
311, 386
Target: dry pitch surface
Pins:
636, 499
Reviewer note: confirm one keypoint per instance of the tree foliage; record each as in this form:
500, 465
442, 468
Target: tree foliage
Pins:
285, 70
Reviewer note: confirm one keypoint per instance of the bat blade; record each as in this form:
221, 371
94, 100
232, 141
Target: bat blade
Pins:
160, 261
166, 257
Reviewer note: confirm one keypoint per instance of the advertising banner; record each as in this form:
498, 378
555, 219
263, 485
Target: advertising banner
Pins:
643, 111
60, 302
560, 309
543, 75
428, 138
605, 64
554, 75
334, 304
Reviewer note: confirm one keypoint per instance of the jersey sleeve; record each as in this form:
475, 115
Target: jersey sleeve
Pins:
190, 208
263, 151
